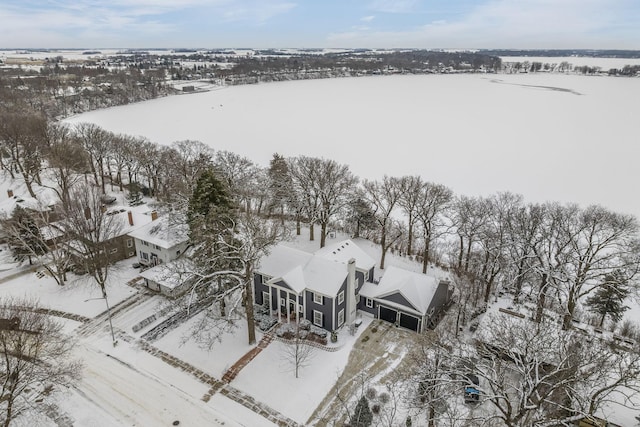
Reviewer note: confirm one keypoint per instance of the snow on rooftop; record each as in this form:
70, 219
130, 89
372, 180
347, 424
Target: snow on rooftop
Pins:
324, 276
282, 259
344, 251
301, 270
170, 275
417, 288
163, 232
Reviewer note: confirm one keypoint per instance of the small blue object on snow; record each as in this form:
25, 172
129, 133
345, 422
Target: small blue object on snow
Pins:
471, 395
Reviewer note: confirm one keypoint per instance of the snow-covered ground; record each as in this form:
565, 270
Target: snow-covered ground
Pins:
126, 385
547, 136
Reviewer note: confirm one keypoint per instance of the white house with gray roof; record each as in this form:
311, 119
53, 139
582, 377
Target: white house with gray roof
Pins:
160, 241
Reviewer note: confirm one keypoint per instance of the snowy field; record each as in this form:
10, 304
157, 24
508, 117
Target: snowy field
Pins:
546, 136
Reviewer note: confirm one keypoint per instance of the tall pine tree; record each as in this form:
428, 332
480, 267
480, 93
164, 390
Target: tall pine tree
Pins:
608, 300
24, 238
362, 416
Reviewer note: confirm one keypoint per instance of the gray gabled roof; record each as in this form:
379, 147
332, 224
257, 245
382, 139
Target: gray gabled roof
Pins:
416, 289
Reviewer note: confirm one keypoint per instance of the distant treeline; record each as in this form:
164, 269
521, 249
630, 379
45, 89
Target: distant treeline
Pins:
607, 53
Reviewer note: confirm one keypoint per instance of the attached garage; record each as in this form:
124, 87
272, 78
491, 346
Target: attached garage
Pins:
410, 322
388, 314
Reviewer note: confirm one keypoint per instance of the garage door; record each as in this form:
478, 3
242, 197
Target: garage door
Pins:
409, 322
388, 314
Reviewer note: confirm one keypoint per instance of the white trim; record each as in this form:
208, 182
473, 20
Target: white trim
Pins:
340, 298
283, 302
268, 298
316, 312
341, 321
315, 300
271, 299
368, 302
300, 308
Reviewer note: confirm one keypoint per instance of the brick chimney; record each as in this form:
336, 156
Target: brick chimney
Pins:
87, 212
130, 215
154, 215
10, 193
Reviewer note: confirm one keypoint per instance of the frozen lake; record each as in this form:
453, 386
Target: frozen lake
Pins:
547, 136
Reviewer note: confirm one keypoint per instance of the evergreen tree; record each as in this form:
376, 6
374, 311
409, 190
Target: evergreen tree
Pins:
609, 297
210, 196
25, 238
362, 416
280, 186
135, 195
360, 216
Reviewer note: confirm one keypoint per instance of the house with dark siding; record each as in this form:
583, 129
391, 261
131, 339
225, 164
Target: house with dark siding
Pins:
411, 300
329, 286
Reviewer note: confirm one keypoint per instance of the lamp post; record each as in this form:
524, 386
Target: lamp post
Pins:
106, 301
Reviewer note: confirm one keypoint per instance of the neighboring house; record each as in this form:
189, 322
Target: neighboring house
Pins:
120, 246
329, 286
160, 241
412, 300
44, 206
171, 279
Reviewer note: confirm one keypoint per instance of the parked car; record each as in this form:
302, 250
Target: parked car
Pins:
471, 390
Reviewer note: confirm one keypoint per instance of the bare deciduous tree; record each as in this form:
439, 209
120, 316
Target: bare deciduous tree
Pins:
96, 142
22, 139
297, 351
91, 229
34, 355
431, 206
535, 373
384, 196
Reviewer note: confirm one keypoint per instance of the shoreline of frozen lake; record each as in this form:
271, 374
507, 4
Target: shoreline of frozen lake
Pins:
559, 137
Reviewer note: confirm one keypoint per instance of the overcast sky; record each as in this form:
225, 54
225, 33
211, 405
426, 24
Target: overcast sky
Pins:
594, 24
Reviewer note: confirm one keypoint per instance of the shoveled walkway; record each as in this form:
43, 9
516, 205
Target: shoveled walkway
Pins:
233, 371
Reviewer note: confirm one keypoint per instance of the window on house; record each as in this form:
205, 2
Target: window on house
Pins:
340, 317
300, 308
317, 298
131, 254
283, 302
145, 243
369, 303
264, 278
265, 298
177, 253
129, 243
317, 318
113, 251
366, 276
144, 255
341, 297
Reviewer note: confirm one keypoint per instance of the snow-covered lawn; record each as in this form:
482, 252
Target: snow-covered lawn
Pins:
270, 377
80, 295
232, 346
